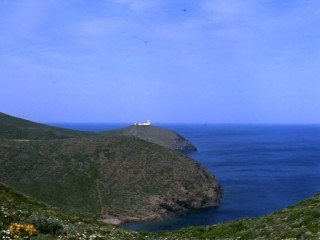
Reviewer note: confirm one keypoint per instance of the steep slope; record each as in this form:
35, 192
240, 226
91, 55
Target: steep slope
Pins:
119, 176
17, 128
106, 176
160, 136
45, 222
301, 221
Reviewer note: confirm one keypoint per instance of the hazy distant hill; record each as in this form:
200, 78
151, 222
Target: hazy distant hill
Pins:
102, 175
161, 136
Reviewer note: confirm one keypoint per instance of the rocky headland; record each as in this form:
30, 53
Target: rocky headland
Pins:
111, 176
161, 136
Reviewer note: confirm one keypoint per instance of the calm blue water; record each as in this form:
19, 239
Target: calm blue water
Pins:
262, 168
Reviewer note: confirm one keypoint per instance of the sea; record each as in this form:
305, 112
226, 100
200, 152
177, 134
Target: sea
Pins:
261, 168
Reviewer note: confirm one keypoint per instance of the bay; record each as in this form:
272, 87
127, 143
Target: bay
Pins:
261, 168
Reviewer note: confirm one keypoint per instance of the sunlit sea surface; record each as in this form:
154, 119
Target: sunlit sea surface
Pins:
261, 168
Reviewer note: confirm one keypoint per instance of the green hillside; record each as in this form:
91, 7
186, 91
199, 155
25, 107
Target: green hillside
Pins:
107, 176
114, 176
301, 221
49, 223
17, 128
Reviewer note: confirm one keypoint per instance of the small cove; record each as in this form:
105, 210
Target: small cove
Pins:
262, 168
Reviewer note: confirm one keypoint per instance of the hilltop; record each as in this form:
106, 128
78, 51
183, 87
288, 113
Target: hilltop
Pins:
17, 128
102, 175
160, 136
301, 221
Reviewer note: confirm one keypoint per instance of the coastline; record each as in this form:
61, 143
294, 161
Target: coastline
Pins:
113, 221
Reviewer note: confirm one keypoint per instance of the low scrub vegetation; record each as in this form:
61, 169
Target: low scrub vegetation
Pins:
301, 221
23, 218
102, 175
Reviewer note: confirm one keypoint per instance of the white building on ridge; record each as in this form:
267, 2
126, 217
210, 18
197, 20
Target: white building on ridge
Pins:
147, 123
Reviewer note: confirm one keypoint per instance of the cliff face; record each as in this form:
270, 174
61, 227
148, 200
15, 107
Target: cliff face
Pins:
160, 136
120, 177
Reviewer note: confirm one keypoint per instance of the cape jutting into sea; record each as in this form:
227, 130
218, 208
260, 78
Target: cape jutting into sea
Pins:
261, 168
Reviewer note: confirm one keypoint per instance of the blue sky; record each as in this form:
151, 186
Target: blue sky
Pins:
206, 61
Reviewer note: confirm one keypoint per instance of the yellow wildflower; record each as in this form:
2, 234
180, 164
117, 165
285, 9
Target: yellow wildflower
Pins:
19, 230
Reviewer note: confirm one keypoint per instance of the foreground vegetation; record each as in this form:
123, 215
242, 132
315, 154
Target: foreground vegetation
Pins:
23, 218
301, 221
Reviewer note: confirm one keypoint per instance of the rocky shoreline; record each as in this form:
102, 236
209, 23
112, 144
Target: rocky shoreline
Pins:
179, 202
126, 175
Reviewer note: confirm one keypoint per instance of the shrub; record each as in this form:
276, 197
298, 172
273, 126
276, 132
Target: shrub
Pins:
47, 225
